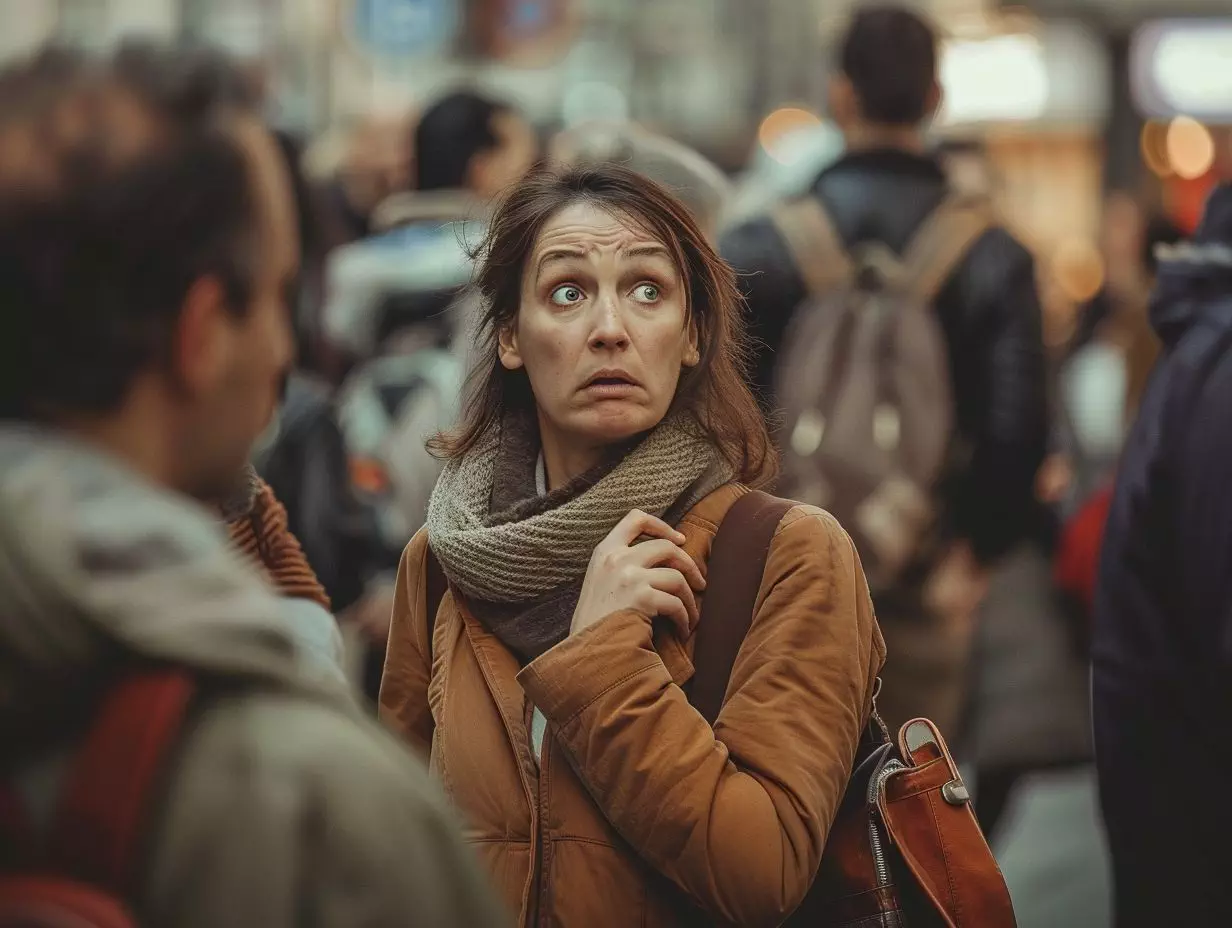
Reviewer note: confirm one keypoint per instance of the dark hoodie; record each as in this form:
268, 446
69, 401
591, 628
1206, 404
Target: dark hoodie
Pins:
1162, 648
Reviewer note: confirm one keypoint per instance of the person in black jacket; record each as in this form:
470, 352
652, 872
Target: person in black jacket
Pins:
1162, 639
882, 190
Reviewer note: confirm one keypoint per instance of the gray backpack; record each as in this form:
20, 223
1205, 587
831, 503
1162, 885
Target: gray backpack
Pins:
863, 380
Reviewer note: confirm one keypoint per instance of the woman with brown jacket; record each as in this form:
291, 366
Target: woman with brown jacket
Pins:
609, 432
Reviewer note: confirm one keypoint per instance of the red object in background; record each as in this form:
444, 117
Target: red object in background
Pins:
1076, 568
1186, 198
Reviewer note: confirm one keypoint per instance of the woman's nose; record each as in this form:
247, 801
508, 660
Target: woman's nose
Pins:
609, 329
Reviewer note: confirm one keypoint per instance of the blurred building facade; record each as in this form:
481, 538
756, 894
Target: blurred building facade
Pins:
1063, 100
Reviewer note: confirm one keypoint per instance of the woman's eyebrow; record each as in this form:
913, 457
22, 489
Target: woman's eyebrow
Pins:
648, 251
557, 254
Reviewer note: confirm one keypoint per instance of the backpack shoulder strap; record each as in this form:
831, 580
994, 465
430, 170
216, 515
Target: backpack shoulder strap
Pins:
737, 562
942, 241
99, 823
816, 248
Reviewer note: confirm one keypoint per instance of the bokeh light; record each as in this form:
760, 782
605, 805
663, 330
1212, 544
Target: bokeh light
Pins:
1155, 149
1078, 269
779, 126
1191, 150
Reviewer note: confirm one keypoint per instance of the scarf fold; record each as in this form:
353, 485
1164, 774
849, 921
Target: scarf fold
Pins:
520, 558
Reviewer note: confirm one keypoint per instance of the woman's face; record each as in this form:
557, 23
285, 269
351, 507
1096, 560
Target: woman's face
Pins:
602, 330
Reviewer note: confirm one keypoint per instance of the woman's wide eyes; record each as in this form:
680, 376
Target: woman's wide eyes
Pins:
569, 294
566, 295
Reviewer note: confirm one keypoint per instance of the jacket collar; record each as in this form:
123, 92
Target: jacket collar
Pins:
1195, 278
886, 161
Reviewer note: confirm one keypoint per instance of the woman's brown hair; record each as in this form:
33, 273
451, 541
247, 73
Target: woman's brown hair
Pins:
715, 392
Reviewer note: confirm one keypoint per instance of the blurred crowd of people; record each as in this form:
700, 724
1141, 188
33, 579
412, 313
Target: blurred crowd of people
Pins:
207, 322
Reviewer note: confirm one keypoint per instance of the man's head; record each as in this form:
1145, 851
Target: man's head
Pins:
887, 72
147, 246
466, 141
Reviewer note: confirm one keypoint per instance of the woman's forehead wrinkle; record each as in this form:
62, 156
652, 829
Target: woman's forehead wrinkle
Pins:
577, 239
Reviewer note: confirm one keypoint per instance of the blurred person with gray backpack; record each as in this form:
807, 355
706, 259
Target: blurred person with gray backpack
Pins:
904, 358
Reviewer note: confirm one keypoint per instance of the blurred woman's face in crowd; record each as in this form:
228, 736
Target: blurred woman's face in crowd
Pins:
602, 330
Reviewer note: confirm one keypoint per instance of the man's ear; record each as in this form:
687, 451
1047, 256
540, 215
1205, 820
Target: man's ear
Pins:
476, 177
936, 96
507, 346
201, 345
843, 103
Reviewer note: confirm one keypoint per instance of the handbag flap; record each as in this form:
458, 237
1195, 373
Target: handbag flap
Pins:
927, 812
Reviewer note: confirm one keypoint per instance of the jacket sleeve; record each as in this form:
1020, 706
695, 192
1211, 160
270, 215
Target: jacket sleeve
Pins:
994, 498
772, 289
403, 702
1185, 497
739, 814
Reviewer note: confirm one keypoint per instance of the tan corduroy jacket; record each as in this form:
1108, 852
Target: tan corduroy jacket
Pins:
635, 805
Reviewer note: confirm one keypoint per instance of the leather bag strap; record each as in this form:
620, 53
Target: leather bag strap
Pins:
734, 574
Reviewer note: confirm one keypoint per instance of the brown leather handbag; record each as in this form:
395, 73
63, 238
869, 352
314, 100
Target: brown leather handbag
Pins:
905, 849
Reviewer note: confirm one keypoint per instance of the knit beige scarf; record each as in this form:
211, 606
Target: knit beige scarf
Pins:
525, 555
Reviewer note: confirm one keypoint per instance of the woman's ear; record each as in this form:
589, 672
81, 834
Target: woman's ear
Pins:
692, 354
507, 347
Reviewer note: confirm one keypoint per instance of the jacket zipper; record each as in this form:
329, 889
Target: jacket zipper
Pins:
531, 793
542, 853
875, 840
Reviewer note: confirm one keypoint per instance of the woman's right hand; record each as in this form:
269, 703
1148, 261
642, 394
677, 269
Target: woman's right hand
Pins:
655, 577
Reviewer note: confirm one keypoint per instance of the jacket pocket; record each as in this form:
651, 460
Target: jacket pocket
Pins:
592, 884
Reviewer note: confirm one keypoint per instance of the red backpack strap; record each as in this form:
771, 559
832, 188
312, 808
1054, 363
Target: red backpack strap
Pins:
99, 823
733, 577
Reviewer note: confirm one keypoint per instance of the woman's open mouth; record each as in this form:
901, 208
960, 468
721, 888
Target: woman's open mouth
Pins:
610, 385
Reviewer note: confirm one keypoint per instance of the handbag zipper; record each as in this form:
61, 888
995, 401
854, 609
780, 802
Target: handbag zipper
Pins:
875, 840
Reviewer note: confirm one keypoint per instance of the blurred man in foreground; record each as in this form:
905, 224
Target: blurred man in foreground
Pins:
146, 250
1162, 641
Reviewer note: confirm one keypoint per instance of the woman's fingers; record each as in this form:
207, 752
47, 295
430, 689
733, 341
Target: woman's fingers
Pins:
666, 580
672, 609
638, 523
667, 554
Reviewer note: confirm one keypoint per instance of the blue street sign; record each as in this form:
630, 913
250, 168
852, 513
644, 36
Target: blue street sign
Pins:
401, 28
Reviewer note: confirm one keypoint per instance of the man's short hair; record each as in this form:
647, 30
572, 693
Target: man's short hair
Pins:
122, 182
890, 56
451, 132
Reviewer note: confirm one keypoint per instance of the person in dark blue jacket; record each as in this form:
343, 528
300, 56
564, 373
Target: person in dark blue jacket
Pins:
1162, 641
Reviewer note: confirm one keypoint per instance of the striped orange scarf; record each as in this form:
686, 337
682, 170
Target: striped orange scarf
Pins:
262, 536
